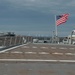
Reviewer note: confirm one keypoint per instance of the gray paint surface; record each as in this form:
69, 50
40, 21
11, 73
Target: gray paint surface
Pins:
37, 68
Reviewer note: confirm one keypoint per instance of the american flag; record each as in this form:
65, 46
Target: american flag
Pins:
60, 19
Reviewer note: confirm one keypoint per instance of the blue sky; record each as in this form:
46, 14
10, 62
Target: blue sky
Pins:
36, 17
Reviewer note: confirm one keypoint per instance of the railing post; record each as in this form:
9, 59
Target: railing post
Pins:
5, 41
10, 41
15, 40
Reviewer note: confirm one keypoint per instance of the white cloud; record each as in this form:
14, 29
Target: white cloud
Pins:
44, 6
34, 3
71, 3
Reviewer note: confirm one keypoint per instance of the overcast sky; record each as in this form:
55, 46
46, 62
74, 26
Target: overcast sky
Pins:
36, 17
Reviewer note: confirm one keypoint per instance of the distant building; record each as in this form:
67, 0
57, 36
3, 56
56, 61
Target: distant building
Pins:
71, 39
7, 34
10, 34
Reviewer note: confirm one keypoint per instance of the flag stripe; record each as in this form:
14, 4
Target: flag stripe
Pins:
62, 19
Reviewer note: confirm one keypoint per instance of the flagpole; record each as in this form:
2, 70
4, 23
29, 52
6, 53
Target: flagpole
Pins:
56, 36
55, 27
